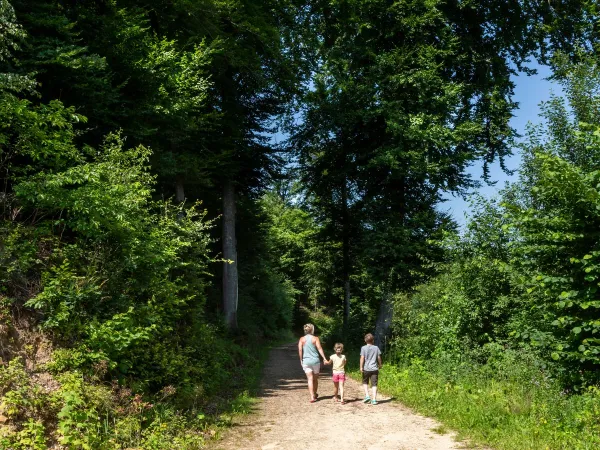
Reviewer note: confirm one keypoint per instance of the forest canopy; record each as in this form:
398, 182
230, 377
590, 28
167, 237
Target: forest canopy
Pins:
185, 181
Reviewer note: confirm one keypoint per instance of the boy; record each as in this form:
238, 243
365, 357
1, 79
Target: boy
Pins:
370, 363
339, 371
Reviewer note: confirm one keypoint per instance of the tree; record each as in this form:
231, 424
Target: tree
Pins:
198, 82
555, 220
406, 95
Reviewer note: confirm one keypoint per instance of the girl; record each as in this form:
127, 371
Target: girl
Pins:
339, 372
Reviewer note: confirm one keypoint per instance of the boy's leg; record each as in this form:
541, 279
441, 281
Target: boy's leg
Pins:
365, 383
374, 383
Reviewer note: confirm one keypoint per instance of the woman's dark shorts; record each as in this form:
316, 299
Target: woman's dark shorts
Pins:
370, 374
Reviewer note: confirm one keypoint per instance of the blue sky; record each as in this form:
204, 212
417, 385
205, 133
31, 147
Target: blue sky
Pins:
530, 91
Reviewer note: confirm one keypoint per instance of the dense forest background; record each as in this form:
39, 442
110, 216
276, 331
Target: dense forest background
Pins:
184, 182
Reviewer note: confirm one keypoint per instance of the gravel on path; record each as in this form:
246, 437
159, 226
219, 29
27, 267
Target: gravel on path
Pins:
285, 419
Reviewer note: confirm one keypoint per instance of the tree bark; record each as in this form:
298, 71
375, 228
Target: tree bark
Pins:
346, 255
179, 190
230, 268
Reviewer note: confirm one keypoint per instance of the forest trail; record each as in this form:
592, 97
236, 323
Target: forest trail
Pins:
285, 419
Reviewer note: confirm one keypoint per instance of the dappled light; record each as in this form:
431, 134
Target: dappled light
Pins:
187, 184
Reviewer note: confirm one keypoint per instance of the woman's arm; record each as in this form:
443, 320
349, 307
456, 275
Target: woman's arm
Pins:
318, 345
300, 349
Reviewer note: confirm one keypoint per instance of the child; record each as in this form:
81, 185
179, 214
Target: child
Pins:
339, 372
370, 363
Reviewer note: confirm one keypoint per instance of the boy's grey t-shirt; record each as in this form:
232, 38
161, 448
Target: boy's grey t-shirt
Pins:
370, 352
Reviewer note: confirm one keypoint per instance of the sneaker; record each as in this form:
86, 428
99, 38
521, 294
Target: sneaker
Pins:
367, 400
373, 402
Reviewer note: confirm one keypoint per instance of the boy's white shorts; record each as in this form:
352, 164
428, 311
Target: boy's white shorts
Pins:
315, 368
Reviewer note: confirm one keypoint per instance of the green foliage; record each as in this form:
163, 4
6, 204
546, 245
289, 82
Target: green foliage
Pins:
406, 95
509, 403
81, 413
108, 108
87, 289
503, 343
558, 251
525, 273
31, 437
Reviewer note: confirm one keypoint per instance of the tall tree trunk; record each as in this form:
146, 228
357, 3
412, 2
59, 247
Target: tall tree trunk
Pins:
179, 191
384, 320
230, 266
346, 254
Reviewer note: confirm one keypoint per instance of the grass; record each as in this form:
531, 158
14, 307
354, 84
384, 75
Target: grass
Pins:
511, 406
440, 429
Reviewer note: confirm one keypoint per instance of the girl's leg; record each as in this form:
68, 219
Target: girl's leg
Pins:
342, 390
309, 377
335, 390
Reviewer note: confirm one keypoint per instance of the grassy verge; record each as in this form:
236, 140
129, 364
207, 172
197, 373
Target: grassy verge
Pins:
510, 406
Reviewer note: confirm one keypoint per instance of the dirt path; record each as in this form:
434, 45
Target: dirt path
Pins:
286, 420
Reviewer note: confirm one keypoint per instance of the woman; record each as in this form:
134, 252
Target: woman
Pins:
309, 349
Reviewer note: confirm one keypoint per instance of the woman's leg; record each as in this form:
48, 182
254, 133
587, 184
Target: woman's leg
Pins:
311, 391
316, 384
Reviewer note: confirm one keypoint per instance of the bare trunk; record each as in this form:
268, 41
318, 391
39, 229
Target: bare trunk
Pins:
230, 268
179, 191
384, 321
346, 255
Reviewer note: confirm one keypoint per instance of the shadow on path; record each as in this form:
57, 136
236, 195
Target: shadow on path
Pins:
283, 371
285, 419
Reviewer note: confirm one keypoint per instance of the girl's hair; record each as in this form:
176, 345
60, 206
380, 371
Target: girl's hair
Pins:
309, 328
369, 338
338, 345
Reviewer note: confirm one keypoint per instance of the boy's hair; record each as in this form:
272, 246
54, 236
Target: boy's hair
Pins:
338, 345
369, 338
309, 328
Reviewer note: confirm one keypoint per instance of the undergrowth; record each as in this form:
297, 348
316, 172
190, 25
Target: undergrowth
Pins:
506, 403
79, 411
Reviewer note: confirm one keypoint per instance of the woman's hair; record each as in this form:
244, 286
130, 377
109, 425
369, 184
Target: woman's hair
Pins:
309, 328
369, 338
338, 345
